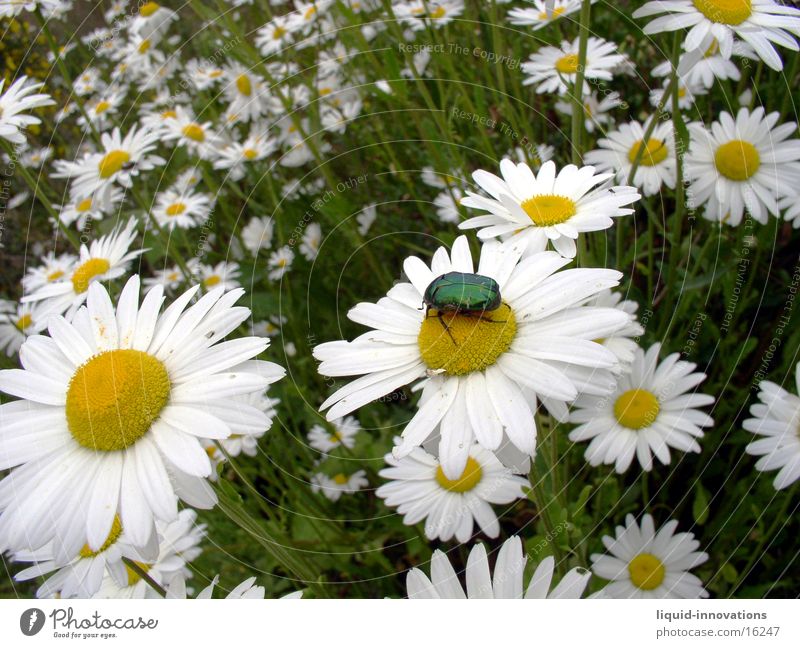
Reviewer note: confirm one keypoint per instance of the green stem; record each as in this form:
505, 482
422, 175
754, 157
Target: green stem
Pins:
780, 519
578, 113
141, 573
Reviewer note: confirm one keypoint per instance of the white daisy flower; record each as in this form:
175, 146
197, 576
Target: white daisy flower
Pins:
507, 582
88, 82
648, 564
280, 262
687, 92
596, 109
274, 36
486, 370
17, 323
181, 209
335, 120
344, 434
178, 544
757, 22
203, 74
82, 209
152, 21
119, 162
247, 589
747, 163
366, 218
649, 412
447, 204
81, 576
306, 14
619, 148
776, 419
270, 327
702, 68
245, 92
546, 206
35, 158
310, 242
438, 180
106, 258
257, 234
223, 274
13, 8
420, 490
538, 16
168, 278
245, 431
553, 69
421, 14
333, 487
236, 156
101, 109
52, 269
620, 344
84, 447
20, 97
199, 138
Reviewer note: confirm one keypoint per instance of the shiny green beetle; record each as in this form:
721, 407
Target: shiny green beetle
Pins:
462, 292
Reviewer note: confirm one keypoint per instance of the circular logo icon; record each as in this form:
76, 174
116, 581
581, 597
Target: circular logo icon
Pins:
31, 621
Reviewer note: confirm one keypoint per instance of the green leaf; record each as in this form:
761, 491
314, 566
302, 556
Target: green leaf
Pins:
700, 504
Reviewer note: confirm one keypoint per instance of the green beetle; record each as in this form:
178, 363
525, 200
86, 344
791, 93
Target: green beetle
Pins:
462, 292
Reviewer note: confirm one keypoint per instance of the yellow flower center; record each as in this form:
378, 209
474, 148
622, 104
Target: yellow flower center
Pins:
243, 85
250, 154
87, 271
548, 209
101, 107
112, 162
176, 209
647, 572
310, 12
681, 92
462, 343
113, 535
439, 12
654, 153
556, 13
194, 132
636, 408
144, 46
278, 33
84, 205
727, 12
468, 480
24, 322
133, 577
214, 74
114, 397
567, 64
56, 274
149, 8
737, 160
340, 479
213, 280
169, 114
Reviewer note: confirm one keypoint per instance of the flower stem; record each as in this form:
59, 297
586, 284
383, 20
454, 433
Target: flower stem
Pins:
141, 573
580, 74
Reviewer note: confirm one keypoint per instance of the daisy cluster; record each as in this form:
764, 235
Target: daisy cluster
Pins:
137, 382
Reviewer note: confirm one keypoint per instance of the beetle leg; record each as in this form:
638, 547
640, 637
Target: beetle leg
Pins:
445, 327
